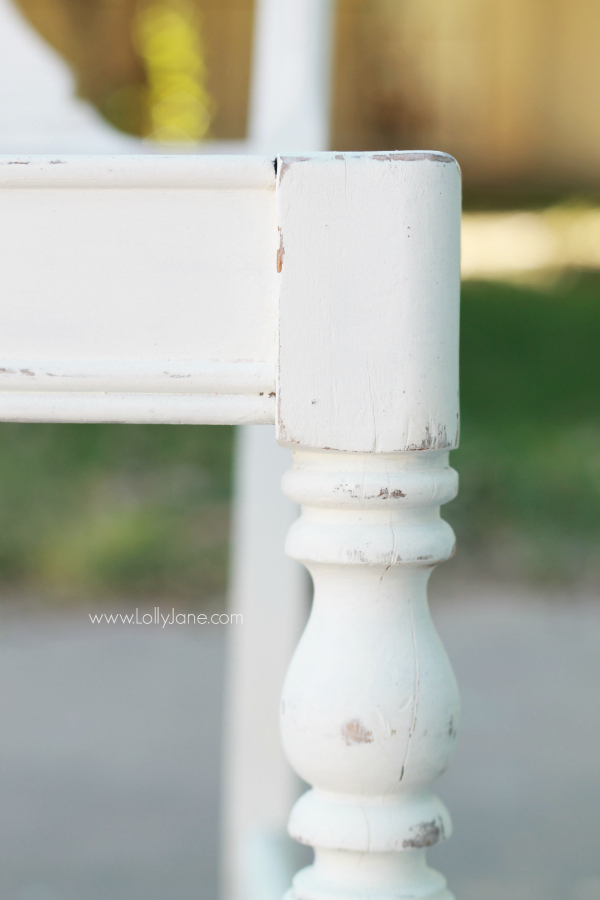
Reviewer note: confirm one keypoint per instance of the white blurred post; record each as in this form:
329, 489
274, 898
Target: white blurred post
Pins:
271, 591
289, 108
290, 91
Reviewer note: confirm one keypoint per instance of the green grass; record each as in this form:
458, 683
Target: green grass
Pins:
92, 511
114, 510
529, 460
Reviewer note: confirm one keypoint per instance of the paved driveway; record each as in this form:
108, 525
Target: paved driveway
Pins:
109, 755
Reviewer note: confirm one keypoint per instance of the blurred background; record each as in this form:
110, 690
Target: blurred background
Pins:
111, 516
511, 90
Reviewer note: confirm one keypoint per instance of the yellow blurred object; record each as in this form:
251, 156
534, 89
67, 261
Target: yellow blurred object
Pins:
509, 87
167, 38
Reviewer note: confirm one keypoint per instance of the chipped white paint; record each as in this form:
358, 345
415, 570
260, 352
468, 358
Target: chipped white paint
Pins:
156, 376
137, 391
369, 259
121, 275
39, 113
368, 364
369, 712
182, 172
137, 289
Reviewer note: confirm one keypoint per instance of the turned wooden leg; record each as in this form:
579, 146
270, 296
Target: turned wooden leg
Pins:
370, 708
367, 399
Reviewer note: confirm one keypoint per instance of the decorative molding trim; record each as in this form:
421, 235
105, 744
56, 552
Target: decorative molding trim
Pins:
166, 376
149, 172
140, 409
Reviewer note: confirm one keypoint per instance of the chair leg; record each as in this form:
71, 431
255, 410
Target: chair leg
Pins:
271, 591
370, 705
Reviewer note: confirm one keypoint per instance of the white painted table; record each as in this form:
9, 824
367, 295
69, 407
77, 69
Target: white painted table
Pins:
323, 298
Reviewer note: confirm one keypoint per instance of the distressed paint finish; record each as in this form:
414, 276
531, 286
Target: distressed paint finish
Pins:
368, 399
368, 301
137, 391
366, 377
137, 289
370, 707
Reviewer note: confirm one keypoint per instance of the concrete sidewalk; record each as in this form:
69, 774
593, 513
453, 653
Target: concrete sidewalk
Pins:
109, 756
524, 789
